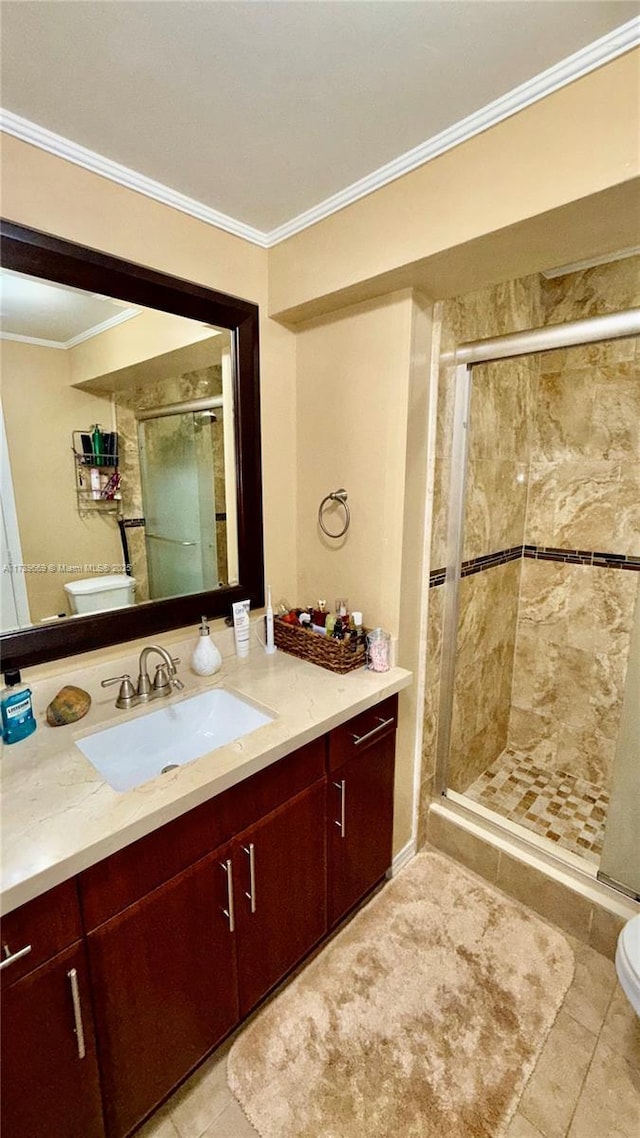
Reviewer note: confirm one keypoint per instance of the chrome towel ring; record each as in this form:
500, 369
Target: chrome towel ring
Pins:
335, 496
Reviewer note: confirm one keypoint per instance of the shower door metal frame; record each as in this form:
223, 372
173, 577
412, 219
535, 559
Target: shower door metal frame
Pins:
615, 326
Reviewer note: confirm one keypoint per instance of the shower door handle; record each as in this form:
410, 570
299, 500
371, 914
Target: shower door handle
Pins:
170, 540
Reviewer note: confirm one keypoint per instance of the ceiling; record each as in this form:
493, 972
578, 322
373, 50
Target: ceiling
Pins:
264, 116
54, 315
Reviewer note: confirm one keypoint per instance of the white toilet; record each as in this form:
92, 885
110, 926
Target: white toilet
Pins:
628, 962
97, 594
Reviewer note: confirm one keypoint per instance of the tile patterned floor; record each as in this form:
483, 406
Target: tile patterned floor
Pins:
559, 806
586, 1083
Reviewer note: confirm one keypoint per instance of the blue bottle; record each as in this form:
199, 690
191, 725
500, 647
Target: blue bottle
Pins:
16, 707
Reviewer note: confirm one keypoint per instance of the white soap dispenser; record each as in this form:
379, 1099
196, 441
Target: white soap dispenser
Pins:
206, 657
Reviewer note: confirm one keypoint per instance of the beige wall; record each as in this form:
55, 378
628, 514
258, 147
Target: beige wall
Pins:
41, 411
575, 143
47, 193
352, 391
146, 335
362, 410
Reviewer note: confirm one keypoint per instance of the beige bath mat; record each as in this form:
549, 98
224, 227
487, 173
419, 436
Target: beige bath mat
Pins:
423, 1018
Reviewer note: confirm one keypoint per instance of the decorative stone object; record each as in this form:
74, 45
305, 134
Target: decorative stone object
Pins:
69, 705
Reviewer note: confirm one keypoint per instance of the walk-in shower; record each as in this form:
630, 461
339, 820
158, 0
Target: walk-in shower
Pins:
182, 471
540, 589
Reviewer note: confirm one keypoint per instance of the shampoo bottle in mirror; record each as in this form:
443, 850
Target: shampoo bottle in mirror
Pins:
206, 657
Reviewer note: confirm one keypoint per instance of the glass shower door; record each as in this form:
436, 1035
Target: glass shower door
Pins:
619, 864
178, 492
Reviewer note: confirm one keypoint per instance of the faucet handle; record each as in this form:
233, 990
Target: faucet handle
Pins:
127, 691
164, 680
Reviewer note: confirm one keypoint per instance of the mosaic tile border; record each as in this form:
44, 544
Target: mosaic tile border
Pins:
540, 553
479, 564
581, 557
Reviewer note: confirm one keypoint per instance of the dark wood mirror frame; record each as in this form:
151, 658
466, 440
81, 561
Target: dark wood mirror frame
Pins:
29, 251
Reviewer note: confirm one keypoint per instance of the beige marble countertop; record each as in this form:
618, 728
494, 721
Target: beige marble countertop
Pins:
60, 816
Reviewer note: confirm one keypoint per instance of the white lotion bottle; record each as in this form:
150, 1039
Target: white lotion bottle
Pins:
206, 658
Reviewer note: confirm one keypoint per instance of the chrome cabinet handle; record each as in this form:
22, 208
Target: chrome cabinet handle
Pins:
77, 1012
11, 957
230, 912
250, 852
342, 787
358, 739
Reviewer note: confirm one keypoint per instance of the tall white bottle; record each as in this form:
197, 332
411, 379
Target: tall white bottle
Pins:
206, 658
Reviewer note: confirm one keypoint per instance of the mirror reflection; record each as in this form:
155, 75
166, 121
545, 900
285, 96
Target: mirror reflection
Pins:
118, 461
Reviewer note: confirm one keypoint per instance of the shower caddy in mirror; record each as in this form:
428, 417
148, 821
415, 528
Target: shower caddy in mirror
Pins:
98, 480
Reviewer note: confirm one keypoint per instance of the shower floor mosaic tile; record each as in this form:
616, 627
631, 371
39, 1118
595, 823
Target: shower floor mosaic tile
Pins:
558, 806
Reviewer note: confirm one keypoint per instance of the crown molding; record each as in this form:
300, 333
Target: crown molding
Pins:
64, 345
44, 139
34, 341
103, 326
596, 54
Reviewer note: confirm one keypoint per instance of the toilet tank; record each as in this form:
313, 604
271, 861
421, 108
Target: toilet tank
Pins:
95, 594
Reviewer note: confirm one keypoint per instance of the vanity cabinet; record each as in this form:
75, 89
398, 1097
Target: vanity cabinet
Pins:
188, 928
174, 939
280, 888
360, 805
164, 987
49, 1072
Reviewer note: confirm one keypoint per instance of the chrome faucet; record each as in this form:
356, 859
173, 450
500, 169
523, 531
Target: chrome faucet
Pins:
165, 679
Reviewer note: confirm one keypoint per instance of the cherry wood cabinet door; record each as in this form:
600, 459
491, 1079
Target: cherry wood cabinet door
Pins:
164, 988
280, 883
49, 1071
360, 823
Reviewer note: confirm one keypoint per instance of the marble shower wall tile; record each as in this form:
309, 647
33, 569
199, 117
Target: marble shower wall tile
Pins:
585, 462
495, 506
431, 701
501, 415
484, 664
574, 504
502, 402
579, 605
591, 413
444, 428
432, 688
500, 437
592, 292
570, 665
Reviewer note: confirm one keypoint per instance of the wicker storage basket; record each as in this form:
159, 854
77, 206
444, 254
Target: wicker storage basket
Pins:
336, 655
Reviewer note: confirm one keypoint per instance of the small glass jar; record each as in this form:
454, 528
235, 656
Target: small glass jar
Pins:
378, 650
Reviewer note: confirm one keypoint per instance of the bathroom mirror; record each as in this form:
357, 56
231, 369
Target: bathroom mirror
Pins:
134, 452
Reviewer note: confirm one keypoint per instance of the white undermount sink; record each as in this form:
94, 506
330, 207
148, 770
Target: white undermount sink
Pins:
174, 734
